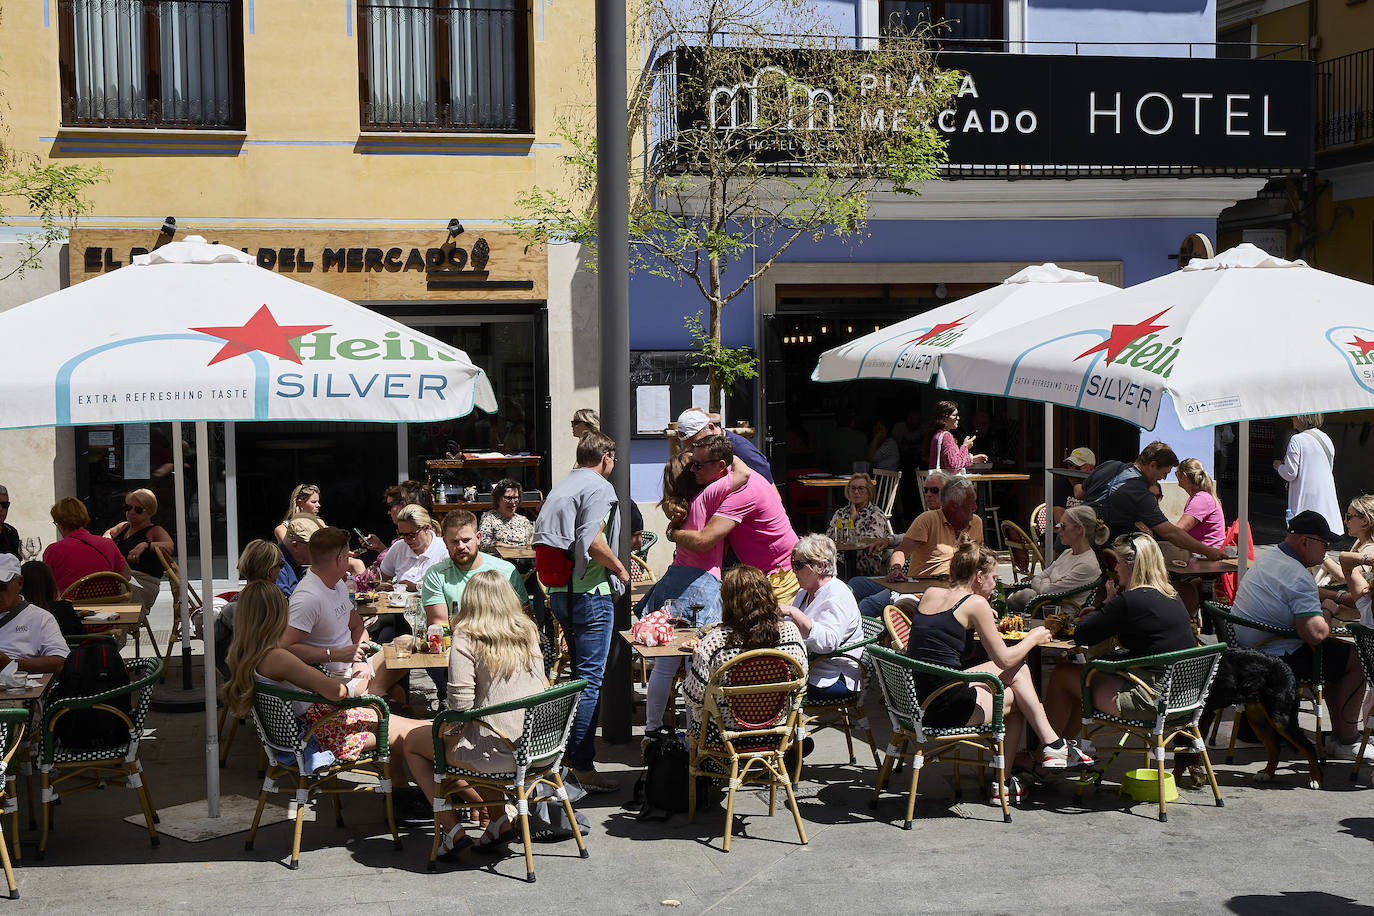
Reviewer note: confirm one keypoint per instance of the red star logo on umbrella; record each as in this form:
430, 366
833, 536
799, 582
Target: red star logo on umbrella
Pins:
260, 333
1365, 346
1123, 334
938, 329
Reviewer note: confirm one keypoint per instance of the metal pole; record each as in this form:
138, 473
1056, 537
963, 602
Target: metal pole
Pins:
1243, 509
613, 274
179, 479
1049, 483
207, 594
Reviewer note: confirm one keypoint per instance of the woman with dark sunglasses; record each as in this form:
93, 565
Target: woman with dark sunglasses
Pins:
136, 537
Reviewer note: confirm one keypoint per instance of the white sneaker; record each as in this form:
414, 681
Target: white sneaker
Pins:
1339, 750
1082, 753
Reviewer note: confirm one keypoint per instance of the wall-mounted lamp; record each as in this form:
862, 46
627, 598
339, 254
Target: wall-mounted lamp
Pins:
169, 226
941, 291
454, 228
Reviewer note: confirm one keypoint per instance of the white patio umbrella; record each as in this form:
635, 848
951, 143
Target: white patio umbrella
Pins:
1239, 337
195, 331
913, 349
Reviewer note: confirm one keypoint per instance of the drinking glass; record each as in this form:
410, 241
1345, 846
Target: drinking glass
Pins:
32, 547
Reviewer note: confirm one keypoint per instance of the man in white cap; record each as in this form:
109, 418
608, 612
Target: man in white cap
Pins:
29, 635
695, 424
1069, 492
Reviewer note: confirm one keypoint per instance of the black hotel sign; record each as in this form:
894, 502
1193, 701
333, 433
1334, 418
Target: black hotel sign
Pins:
1050, 110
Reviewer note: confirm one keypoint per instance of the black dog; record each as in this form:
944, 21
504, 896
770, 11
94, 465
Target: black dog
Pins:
1264, 686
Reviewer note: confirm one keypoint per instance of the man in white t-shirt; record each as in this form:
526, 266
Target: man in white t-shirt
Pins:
324, 627
31, 637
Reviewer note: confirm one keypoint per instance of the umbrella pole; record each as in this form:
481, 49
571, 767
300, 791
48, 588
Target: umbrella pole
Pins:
184, 586
1049, 482
207, 585
1243, 507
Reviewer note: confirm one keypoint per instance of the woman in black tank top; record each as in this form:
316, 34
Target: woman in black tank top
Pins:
939, 628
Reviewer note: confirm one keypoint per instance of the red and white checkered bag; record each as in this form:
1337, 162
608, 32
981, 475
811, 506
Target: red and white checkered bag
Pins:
653, 630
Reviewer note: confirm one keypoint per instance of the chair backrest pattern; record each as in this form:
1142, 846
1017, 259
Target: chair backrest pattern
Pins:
898, 626
98, 586
887, 482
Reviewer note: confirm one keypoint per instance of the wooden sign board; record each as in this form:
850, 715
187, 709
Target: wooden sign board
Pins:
361, 265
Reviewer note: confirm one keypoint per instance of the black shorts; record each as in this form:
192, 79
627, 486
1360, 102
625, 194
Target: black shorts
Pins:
1335, 659
950, 709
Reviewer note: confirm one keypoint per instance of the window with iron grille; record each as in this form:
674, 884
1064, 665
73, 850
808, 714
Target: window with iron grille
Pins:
151, 63
960, 25
444, 65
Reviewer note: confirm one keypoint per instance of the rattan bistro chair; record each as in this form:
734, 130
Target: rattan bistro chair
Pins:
1025, 553
285, 741
12, 727
173, 573
911, 740
750, 716
1074, 598
1364, 648
844, 713
538, 756
898, 626
1228, 624
69, 770
1181, 681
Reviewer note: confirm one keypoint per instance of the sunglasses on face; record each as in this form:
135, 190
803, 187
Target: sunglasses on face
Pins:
511, 497
932, 490
409, 535
698, 465
4, 504
136, 510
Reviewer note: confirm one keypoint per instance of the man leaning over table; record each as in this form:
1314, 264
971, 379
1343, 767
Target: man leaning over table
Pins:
1279, 590
441, 592
929, 542
31, 637
580, 520
1131, 505
751, 519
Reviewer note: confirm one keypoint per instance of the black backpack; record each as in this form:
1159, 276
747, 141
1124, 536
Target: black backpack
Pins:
94, 666
662, 787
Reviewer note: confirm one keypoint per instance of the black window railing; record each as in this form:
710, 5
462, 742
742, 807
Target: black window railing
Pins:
1345, 100
151, 63
444, 65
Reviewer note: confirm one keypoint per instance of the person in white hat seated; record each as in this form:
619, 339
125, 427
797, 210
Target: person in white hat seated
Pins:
29, 635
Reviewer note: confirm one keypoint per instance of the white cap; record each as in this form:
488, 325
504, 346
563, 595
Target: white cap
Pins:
9, 567
691, 421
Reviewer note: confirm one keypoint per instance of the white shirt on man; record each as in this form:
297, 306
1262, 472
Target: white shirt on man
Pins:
402, 563
323, 614
33, 633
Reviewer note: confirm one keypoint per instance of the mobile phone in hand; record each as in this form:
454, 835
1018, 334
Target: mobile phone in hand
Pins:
362, 538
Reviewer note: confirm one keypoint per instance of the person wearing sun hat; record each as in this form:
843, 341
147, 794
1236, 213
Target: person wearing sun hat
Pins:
29, 635
1278, 590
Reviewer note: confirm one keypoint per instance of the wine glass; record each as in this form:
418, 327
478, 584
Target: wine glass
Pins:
32, 547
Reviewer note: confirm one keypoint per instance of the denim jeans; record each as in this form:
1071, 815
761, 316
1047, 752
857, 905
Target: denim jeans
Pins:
588, 623
871, 596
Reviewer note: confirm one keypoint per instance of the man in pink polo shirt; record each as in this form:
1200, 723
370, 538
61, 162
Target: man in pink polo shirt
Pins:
751, 517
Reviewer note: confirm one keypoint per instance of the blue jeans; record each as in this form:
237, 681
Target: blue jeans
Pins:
686, 585
588, 623
871, 596
836, 690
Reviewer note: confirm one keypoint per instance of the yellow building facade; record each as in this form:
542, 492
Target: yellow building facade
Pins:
373, 148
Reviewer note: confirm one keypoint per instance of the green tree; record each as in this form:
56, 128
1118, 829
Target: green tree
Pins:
754, 125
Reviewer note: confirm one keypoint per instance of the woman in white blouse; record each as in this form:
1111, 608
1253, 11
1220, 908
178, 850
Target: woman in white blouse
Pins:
407, 565
827, 617
1308, 464
1079, 529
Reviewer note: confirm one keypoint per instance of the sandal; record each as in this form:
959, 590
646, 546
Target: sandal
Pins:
455, 846
498, 836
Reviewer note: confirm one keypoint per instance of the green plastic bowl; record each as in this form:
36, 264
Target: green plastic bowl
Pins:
1143, 786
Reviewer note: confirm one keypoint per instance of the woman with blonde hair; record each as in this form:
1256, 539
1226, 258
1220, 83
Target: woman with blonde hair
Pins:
1146, 617
495, 658
585, 421
1202, 517
939, 634
1359, 524
422, 548
1080, 530
861, 519
256, 657
305, 499
136, 537
1308, 466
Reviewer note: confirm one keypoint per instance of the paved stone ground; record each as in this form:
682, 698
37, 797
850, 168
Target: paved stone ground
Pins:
1279, 848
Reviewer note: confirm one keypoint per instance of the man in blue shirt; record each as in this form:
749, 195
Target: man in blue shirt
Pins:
1279, 591
695, 424
295, 551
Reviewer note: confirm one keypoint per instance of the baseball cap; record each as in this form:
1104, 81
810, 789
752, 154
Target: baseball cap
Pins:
9, 567
1081, 456
301, 527
1312, 522
690, 422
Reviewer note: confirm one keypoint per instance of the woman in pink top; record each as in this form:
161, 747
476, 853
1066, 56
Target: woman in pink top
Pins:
1202, 516
692, 583
79, 553
944, 454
